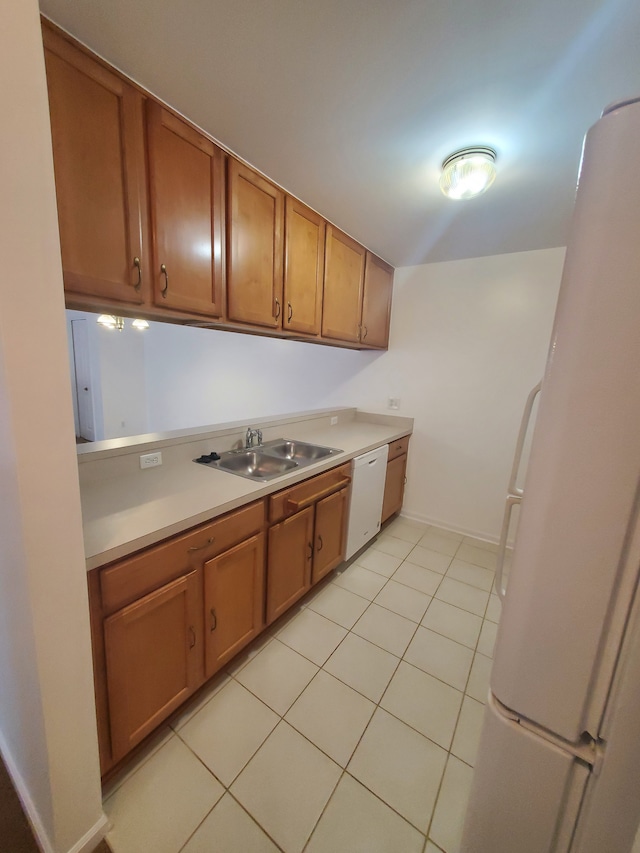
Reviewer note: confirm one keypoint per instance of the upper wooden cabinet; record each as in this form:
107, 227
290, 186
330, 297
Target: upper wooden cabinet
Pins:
157, 221
186, 182
98, 154
303, 268
376, 305
254, 247
343, 283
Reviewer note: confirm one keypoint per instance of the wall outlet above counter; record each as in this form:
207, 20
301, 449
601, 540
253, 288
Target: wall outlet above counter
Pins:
151, 460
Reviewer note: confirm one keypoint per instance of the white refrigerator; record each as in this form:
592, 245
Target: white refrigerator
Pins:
558, 767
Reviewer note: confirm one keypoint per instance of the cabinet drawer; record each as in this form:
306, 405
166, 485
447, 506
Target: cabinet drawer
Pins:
398, 447
289, 501
132, 578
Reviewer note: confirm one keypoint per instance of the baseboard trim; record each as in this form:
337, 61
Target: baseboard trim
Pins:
436, 522
476, 534
89, 840
33, 816
93, 837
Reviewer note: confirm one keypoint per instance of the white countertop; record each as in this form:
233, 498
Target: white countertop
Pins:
125, 509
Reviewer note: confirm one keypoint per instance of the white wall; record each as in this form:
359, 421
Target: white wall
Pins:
122, 378
204, 376
468, 341
47, 721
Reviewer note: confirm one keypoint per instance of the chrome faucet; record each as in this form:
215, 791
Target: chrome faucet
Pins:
251, 434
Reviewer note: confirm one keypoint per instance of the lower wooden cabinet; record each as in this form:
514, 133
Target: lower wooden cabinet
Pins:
166, 619
153, 659
289, 566
331, 527
396, 477
233, 601
308, 539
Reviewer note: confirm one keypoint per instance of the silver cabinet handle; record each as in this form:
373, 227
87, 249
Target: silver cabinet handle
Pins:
209, 541
137, 264
163, 271
289, 312
277, 308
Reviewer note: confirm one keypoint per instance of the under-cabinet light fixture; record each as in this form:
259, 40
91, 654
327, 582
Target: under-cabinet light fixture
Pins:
468, 172
110, 321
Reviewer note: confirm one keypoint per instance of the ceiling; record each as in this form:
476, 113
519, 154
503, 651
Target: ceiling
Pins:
352, 105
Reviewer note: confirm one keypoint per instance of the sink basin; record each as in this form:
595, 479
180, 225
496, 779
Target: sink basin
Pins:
300, 451
269, 460
254, 464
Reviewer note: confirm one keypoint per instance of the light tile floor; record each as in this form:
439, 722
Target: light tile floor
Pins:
352, 725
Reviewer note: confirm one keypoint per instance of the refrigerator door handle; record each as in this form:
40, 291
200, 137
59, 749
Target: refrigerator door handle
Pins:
512, 500
524, 426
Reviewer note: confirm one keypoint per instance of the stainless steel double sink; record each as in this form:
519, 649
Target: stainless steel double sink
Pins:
271, 459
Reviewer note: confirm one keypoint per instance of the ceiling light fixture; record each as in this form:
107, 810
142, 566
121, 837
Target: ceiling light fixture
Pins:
468, 172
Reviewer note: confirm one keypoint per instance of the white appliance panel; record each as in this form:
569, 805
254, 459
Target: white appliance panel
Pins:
611, 811
520, 782
368, 475
580, 489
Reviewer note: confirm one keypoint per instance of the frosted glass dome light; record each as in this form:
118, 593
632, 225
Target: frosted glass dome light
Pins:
468, 172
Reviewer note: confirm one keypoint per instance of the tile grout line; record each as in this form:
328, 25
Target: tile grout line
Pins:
475, 651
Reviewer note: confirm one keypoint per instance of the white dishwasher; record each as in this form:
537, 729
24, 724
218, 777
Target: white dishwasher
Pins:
368, 473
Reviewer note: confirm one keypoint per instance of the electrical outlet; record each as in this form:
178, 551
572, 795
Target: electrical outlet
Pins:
393, 403
151, 460
334, 421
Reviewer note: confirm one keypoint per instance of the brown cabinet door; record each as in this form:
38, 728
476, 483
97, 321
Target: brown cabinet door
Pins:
153, 652
376, 305
343, 281
255, 248
233, 601
186, 182
303, 268
394, 487
289, 562
98, 154
331, 522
